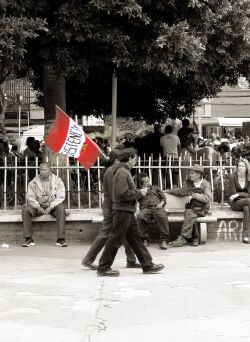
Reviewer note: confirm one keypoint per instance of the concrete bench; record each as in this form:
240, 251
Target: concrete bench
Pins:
90, 215
175, 208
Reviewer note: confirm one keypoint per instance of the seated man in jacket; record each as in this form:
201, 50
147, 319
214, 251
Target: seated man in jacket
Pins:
45, 195
198, 192
152, 209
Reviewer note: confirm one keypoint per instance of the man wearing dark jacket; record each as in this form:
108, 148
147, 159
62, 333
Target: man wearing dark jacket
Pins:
107, 223
125, 196
152, 210
198, 192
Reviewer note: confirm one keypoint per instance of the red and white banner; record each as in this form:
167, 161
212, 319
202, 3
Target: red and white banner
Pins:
68, 138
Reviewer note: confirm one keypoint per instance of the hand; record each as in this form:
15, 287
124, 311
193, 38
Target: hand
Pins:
40, 211
47, 210
160, 205
144, 191
232, 197
188, 199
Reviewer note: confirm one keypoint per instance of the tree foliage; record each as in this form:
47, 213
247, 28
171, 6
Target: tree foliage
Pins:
167, 54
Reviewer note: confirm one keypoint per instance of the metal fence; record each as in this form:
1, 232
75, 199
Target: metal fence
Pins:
84, 188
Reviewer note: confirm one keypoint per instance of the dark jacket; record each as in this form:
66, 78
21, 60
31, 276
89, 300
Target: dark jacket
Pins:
107, 187
237, 189
154, 196
201, 197
124, 189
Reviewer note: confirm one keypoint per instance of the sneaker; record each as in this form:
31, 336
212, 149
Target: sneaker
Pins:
89, 265
146, 243
246, 240
28, 242
180, 241
61, 243
154, 269
163, 245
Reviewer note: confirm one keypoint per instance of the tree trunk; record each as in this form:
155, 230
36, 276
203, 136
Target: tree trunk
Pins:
54, 94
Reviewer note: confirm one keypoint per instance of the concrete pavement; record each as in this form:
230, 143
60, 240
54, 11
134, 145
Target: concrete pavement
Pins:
202, 295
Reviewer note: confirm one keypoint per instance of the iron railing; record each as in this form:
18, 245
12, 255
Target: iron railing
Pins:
84, 188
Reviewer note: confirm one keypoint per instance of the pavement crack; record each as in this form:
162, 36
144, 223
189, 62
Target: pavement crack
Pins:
95, 324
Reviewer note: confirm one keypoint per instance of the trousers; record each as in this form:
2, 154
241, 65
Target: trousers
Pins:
189, 229
102, 237
58, 212
125, 226
243, 205
147, 215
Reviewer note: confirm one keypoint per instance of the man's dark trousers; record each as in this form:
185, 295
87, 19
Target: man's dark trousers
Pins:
58, 212
102, 237
125, 226
160, 217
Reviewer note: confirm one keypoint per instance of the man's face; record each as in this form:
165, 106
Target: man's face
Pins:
132, 161
44, 171
145, 182
194, 176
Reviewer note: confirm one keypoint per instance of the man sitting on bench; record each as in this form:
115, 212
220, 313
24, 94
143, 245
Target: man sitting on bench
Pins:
152, 210
198, 192
45, 195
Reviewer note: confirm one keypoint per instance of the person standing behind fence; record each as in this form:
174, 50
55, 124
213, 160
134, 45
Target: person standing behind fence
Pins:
46, 193
240, 195
170, 143
125, 196
107, 224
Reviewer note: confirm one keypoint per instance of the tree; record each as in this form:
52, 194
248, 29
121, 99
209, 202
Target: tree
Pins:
15, 31
168, 55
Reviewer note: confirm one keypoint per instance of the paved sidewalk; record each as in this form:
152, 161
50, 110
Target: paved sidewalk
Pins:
202, 295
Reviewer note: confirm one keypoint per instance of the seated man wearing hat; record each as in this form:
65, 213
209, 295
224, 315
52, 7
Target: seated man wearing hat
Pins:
198, 192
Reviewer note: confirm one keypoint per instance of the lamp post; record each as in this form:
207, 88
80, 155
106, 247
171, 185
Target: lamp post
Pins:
19, 99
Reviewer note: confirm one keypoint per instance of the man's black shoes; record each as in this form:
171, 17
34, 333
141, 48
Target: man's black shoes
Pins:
108, 273
133, 265
89, 265
154, 269
163, 245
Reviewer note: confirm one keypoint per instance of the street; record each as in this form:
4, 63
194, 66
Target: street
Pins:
201, 295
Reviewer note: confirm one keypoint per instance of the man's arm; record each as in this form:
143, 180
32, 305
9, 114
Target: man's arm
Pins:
123, 191
60, 194
206, 196
183, 191
31, 196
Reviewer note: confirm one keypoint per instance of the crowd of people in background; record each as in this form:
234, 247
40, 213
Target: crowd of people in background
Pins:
165, 141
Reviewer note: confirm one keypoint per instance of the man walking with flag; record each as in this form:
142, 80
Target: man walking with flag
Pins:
125, 225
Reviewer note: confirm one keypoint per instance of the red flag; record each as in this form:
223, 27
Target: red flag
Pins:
68, 138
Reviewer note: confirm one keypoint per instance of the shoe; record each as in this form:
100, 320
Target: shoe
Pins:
195, 243
163, 245
133, 265
89, 265
61, 243
108, 273
146, 243
246, 240
154, 269
180, 241
28, 242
